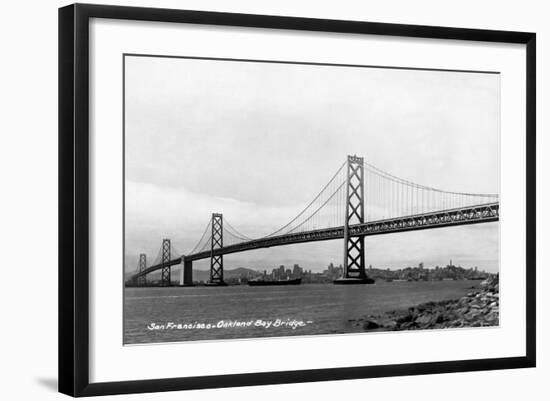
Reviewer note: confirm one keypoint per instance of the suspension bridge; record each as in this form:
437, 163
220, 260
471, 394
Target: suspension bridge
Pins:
359, 200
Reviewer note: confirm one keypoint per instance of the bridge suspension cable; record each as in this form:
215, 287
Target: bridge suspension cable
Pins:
198, 247
336, 179
175, 252
386, 196
401, 180
234, 232
158, 258
367, 194
314, 221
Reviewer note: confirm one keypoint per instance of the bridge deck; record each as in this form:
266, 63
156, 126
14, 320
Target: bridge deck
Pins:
484, 213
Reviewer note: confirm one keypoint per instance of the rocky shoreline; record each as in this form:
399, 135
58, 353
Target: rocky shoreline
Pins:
480, 307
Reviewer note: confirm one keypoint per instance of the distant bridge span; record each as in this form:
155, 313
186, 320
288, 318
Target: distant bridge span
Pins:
358, 201
483, 213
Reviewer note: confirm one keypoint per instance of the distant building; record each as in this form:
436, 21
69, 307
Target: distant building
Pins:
296, 271
330, 268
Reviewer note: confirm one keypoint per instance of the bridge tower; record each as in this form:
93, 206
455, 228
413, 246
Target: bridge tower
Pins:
354, 246
165, 278
216, 261
142, 281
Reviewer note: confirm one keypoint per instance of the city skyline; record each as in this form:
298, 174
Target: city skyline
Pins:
420, 265
420, 272
320, 266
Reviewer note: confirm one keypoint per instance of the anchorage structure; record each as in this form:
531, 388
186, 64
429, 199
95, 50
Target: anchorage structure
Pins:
187, 272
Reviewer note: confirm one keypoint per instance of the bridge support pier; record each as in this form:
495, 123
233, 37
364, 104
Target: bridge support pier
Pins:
354, 246
187, 273
181, 272
216, 261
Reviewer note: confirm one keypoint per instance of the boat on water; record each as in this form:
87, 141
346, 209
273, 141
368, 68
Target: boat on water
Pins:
294, 281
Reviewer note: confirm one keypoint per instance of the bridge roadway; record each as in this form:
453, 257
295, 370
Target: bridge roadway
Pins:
483, 213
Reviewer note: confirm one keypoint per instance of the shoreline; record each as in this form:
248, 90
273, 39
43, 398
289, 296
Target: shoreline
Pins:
479, 308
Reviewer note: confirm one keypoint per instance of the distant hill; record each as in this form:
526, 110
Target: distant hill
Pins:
240, 271
202, 275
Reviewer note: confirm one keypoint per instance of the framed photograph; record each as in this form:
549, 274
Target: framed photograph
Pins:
258, 199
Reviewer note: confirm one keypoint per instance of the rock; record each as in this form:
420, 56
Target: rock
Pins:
408, 326
392, 325
370, 325
404, 319
472, 315
492, 316
478, 308
424, 319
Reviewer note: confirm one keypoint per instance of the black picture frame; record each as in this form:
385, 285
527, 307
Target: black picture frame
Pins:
74, 198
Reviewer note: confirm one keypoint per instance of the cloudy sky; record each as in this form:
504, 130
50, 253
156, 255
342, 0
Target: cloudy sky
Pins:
257, 141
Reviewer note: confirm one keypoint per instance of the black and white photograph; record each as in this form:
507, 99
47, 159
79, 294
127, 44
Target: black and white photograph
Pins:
276, 198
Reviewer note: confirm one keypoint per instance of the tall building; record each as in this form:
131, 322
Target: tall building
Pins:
330, 268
